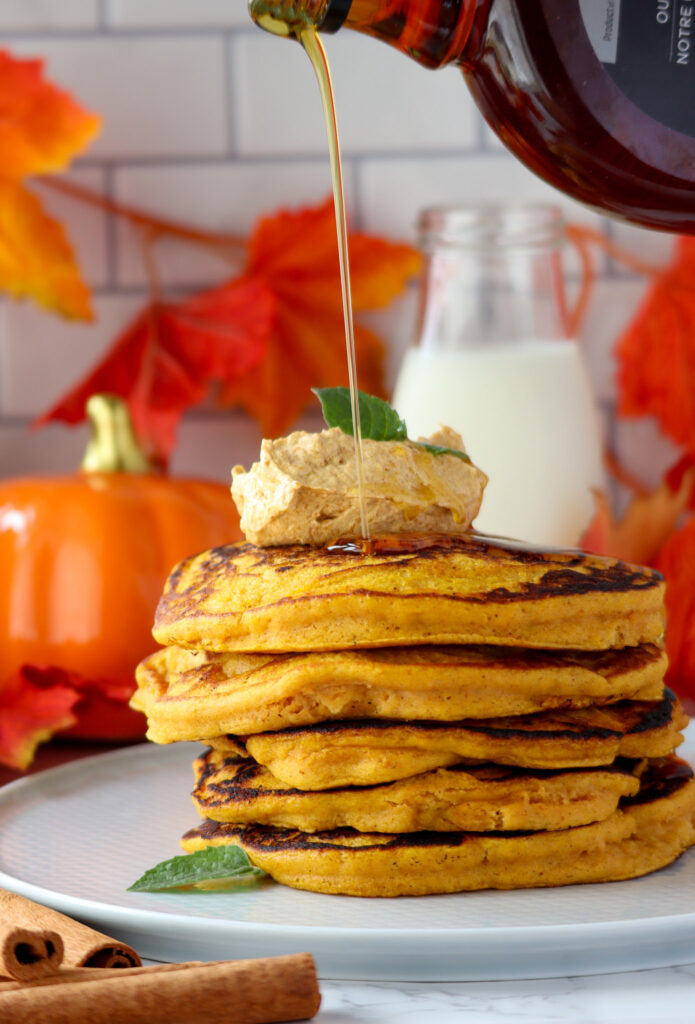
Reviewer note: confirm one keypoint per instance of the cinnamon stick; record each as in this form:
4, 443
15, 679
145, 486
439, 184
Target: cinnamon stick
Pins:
265, 991
83, 946
28, 953
70, 974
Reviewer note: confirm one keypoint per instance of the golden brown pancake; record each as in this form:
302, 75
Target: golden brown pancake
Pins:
647, 832
189, 696
457, 590
485, 798
364, 753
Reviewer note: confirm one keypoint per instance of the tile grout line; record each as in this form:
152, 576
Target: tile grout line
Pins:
103, 14
230, 101
112, 232
161, 161
112, 31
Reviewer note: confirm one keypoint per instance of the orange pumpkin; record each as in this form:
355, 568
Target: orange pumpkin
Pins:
84, 559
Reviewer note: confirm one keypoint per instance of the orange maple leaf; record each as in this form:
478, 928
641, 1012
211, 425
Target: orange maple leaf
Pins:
165, 360
295, 254
32, 709
656, 353
41, 129
650, 533
36, 260
648, 522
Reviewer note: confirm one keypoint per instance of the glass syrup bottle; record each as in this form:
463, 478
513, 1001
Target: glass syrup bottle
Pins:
596, 96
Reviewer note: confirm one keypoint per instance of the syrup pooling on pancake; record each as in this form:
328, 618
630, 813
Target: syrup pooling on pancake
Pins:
471, 590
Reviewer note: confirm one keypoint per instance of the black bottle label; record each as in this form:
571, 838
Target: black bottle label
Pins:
647, 48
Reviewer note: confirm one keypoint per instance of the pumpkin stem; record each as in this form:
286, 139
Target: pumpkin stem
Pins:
113, 446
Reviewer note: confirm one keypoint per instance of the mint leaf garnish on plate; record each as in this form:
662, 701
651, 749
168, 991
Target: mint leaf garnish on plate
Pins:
378, 420
216, 867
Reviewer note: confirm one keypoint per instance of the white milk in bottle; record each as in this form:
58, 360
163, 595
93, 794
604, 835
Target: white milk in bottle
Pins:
493, 360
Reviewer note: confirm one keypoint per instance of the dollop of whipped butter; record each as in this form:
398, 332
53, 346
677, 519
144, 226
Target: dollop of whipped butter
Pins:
304, 489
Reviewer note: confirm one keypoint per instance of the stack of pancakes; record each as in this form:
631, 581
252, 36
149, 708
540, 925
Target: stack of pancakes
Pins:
438, 714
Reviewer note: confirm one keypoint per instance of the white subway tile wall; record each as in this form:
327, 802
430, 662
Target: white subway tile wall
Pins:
49, 15
281, 112
160, 97
87, 227
227, 196
208, 121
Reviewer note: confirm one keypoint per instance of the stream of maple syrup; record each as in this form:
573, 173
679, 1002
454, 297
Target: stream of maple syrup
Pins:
281, 20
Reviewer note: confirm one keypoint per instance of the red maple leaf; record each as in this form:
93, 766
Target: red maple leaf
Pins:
33, 707
166, 359
676, 560
265, 338
296, 255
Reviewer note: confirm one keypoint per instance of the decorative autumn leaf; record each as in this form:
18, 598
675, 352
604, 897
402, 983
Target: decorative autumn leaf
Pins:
298, 248
166, 359
649, 534
32, 708
656, 353
676, 561
266, 338
646, 525
379, 270
39, 701
296, 255
41, 129
35, 258
102, 708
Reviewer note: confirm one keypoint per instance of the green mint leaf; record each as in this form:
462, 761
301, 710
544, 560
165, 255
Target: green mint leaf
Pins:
441, 449
379, 422
214, 867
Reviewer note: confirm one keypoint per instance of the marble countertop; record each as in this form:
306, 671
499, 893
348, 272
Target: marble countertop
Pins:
665, 996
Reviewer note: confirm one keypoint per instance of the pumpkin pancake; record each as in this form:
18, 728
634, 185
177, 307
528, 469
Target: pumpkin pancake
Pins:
451, 590
485, 798
365, 753
189, 696
645, 833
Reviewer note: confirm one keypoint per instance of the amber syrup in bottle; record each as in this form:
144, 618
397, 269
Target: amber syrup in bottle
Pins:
596, 96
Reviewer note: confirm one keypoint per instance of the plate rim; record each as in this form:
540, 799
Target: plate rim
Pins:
637, 939
147, 750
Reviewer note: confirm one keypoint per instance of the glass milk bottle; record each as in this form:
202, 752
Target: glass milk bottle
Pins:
493, 360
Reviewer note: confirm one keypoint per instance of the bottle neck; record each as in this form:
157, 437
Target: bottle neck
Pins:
432, 32
335, 15
493, 276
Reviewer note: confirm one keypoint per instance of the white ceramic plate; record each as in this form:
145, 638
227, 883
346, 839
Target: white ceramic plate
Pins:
75, 837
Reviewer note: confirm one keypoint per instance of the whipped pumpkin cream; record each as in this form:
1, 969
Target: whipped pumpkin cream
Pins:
303, 490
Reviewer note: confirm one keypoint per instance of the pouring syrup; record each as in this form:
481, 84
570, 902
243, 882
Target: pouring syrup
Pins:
282, 19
